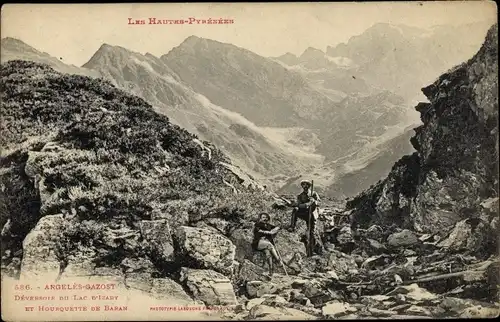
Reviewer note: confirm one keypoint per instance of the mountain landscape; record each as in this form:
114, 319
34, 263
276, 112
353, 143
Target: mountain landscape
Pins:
385, 55
101, 187
12, 49
370, 165
455, 166
261, 90
280, 119
145, 75
92, 173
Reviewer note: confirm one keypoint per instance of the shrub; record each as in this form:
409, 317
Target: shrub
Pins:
113, 159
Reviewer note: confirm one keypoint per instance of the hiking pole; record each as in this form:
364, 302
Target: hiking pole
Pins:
309, 246
281, 260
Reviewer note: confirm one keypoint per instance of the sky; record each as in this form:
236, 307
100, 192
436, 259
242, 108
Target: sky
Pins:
74, 32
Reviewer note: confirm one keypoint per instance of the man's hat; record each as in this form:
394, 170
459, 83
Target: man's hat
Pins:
305, 182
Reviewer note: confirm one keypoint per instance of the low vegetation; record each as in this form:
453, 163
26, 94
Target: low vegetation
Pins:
99, 155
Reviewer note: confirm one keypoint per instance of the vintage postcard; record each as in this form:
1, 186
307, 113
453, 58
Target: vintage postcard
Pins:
249, 161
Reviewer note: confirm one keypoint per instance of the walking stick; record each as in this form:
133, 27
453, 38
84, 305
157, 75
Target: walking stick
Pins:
281, 260
309, 246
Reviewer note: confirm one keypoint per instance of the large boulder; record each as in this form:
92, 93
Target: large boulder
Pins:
315, 263
413, 292
98, 275
166, 288
341, 263
296, 265
336, 308
202, 248
157, 233
489, 209
375, 232
242, 239
266, 312
253, 302
244, 179
318, 292
470, 234
139, 281
208, 286
440, 203
465, 308
259, 288
345, 235
288, 244
403, 238
134, 265
250, 272
40, 260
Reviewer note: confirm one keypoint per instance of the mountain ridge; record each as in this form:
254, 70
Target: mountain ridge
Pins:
256, 87
455, 166
265, 159
148, 77
13, 48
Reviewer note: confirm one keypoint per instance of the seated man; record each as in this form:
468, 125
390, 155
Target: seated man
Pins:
263, 239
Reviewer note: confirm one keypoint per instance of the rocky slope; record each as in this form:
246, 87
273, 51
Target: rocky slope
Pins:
374, 167
97, 185
99, 179
455, 169
359, 121
249, 148
270, 154
237, 80
333, 76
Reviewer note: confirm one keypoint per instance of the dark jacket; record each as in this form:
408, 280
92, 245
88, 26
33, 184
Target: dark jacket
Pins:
257, 235
304, 198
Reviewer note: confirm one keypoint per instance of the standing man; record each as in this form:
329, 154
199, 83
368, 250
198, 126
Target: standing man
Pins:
307, 203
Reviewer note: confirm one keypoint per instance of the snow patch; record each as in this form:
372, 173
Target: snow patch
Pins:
144, 64
277, 142
341, 61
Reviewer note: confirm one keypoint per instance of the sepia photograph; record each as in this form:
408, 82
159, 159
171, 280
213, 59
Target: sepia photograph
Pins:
249, 161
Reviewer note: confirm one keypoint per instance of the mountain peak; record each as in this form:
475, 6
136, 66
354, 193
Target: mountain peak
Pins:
313, 50
110, 48
108, 52
381, 25
105, 46
312, 53
10, 41
381, 28
195, 40
14, 45
150, 55
288, 58
192, 38
192, 41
